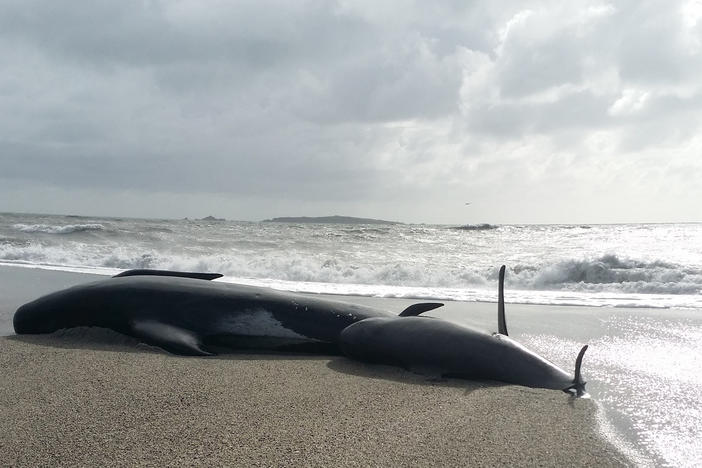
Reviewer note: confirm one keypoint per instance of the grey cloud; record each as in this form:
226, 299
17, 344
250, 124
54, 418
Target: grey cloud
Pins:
248, 35
365, 72
529, 68
384, 87
643, 41
580, 110
190, 173
648, 46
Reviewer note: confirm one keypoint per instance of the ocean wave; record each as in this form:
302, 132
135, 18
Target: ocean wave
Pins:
57, 229
143, 261
14, 242
412, 256
607, 273
612, 273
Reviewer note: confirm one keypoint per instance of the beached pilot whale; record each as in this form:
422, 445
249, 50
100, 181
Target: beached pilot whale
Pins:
186, 313
440, 347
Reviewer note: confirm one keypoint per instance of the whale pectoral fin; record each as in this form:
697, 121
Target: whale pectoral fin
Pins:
180, 274
416, 309
173, 339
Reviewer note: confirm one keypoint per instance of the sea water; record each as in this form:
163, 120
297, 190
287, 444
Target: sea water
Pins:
644, 364
628, 265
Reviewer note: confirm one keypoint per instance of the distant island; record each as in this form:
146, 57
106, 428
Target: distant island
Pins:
209, 218
328, 220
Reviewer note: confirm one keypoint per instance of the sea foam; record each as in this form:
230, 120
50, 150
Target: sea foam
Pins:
54, 229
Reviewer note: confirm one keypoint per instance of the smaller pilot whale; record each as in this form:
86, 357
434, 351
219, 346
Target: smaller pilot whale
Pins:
435, 346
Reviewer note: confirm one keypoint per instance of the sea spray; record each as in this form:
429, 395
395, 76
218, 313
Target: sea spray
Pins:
57, 229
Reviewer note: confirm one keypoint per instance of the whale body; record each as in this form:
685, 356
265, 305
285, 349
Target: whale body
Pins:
185, 313
440, 347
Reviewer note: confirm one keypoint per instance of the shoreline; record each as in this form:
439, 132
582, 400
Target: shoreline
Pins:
91, 396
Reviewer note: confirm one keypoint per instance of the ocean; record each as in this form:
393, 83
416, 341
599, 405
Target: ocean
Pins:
627, 265
632, 291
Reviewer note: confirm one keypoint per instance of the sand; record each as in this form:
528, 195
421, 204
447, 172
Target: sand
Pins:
92, 397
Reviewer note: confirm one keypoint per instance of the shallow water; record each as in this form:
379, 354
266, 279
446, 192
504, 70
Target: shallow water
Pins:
644, 370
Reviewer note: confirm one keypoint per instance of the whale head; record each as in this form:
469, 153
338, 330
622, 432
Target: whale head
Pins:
39, 316
62, 309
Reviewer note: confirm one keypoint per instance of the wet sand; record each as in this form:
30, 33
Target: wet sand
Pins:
92, 397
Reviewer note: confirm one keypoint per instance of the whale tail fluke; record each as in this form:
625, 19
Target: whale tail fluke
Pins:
501, 323
578, 386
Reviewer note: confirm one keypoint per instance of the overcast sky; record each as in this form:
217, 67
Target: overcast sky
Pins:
577, 112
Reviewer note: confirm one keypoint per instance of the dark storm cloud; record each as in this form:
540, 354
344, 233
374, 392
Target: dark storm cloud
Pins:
159, 172
139, 33
213, 102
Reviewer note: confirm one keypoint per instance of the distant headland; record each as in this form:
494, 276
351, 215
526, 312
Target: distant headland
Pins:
328, 220
206, 218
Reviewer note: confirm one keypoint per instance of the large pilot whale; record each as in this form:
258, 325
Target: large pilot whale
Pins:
189, 314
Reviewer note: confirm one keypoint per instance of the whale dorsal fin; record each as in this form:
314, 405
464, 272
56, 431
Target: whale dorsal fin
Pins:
501, 323
578, 381
181, 274
416, 309
173, 339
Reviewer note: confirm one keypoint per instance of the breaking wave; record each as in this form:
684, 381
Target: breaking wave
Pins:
54, 229
611, 272
608, 273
